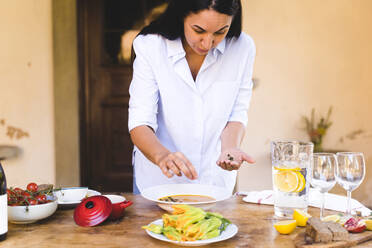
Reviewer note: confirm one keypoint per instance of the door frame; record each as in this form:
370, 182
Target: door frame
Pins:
84, 127
90, 38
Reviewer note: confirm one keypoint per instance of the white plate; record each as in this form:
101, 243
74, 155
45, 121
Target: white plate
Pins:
156, 192
229, 232
89, 193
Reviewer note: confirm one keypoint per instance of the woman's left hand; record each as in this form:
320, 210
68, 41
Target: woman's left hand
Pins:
232, 159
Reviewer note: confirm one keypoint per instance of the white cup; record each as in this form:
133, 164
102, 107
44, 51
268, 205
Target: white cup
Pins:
73, 194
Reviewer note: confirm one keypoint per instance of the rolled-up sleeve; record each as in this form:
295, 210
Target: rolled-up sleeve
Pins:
241, 105
143, 90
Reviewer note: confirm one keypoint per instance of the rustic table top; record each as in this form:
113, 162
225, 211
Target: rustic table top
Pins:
255, 223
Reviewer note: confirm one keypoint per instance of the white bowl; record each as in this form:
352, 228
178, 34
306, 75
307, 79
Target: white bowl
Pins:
156, 192
30, 214
73, 194
65, 205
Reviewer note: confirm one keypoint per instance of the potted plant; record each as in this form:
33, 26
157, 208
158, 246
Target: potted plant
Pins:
317, 130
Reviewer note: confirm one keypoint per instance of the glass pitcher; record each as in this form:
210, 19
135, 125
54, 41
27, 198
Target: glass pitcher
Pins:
291, 172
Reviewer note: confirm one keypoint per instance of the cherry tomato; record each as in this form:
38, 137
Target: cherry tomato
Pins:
26, 194
41, 198
18, 190
32, 201
9, 192
32, 187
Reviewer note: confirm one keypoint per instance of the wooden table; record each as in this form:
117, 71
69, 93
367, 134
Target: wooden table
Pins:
255, 223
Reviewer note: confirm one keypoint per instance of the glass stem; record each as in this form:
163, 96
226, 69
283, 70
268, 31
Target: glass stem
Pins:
348, 210
322, 205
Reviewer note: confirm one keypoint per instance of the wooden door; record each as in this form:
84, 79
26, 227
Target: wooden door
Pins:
106, 30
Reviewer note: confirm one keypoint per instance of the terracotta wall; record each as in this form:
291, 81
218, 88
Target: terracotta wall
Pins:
310, 54
66, 89
39, 90
26, 88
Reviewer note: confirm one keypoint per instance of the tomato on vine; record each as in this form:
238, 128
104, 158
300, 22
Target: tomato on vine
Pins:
32, 202
18, 190
32, 195
26, 194
32, 187
41, 198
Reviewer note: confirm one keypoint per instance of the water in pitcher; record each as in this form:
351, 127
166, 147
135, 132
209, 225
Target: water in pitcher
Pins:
291, 183
291, 178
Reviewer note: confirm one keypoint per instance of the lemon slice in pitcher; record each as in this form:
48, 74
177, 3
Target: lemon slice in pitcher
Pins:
301, 182
284, 168
286, 181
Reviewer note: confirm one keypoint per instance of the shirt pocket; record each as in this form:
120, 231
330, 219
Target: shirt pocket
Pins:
221, 98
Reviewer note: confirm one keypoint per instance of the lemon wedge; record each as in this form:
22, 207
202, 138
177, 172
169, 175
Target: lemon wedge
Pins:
331, 218
286, 181
300, 217
368, 223
285, 226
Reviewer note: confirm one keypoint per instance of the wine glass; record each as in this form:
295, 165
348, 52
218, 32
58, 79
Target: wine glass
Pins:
350, 172
323, 174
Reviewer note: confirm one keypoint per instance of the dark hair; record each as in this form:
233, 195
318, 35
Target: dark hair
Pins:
170, 23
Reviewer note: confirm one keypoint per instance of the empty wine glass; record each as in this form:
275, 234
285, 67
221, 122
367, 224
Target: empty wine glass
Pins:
350, 172
323, 174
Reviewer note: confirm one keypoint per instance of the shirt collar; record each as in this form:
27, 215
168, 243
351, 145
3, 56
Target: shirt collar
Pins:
176, 51
220, 47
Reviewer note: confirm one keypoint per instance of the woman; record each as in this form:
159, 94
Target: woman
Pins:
190, 94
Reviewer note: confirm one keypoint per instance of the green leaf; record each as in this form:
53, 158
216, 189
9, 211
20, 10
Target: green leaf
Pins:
312, 118
329, 113
210, 214
225, 223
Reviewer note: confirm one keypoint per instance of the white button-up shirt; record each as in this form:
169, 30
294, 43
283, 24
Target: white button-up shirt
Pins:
189, 116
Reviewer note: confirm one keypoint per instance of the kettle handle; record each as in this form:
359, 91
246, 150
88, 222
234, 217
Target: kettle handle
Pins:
125, 204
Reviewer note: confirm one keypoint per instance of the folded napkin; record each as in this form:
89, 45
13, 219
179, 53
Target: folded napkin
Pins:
332, 201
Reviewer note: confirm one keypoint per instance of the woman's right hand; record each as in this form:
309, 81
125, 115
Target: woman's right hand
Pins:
175, 163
